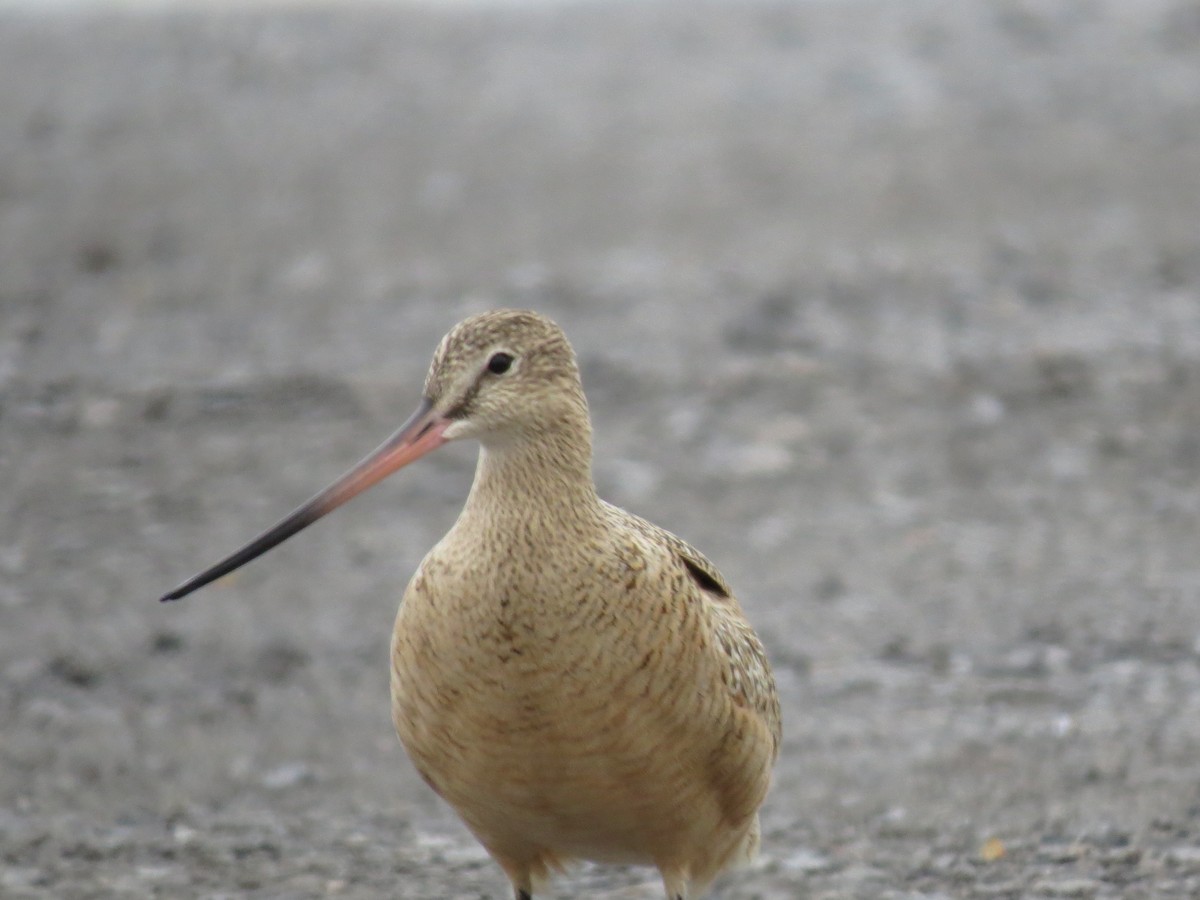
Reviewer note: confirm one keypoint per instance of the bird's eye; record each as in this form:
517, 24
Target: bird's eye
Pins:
499, 363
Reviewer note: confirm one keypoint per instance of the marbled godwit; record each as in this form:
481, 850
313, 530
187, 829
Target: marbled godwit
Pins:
576, 682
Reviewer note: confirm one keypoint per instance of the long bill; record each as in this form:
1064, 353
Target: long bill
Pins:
416, 437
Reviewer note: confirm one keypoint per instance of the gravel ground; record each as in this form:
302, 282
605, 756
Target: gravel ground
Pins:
892, 309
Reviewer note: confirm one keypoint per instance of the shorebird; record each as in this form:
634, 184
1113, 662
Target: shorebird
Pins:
576, 682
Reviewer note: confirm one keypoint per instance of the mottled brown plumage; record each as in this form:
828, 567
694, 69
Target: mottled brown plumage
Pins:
576, 682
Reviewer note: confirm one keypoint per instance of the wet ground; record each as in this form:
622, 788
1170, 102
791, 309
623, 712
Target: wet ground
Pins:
892, 309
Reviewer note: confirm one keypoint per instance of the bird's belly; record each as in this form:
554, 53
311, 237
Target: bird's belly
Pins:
539, 760
550, 794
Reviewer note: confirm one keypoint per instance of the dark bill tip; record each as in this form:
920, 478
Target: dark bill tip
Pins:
416, 437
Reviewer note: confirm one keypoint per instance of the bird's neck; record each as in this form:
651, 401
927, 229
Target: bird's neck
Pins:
545, 481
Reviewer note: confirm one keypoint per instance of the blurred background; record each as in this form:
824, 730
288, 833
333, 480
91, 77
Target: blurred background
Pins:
891, 309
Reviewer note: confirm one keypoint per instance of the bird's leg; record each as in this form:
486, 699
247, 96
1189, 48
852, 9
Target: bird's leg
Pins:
519, 874
676, 883
522, 885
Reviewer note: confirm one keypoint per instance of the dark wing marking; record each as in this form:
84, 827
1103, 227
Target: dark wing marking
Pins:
747, 671
703, 578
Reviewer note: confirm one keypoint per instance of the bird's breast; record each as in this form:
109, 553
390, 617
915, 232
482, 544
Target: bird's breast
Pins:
515, 688
503, 653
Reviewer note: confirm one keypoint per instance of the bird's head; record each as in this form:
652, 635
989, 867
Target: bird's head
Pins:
504, 376
507, 378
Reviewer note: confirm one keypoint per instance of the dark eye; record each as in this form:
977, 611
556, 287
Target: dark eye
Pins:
499, 363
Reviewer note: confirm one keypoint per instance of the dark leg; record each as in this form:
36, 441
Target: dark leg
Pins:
523, 894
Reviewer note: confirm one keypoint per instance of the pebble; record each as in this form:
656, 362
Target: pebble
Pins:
288, 775
999, 889
1120, 856
1071, 887
100, 412
986, 409
764, 458
449, 849
1185, 856
1060, 853
14, 877
803, 859
153, 873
